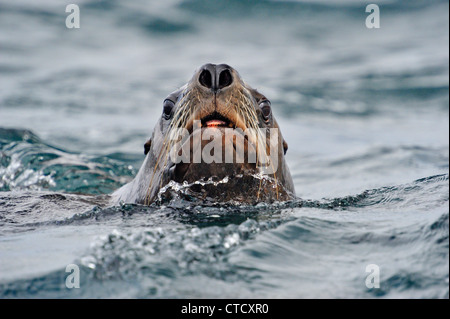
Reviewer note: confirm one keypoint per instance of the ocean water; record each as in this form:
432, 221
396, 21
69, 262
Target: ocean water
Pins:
365, 113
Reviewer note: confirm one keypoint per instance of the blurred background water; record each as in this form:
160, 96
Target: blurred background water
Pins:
365, 113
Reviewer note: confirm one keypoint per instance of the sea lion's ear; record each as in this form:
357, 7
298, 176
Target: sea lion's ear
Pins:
285, 146
147, 146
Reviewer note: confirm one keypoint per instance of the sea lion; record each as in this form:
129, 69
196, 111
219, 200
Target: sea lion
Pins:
218, 138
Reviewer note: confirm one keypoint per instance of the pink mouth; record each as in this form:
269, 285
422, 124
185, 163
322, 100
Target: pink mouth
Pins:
214, 123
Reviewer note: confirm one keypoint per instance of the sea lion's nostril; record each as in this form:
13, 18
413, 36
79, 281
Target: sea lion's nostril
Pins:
205, 79
215, 77
225, 79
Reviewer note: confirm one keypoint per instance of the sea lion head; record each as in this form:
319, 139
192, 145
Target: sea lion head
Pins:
217, 127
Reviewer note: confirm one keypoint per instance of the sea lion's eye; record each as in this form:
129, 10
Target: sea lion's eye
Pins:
265, 109
167, 109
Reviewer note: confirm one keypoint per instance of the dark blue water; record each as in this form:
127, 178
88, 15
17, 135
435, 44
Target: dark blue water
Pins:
365, 113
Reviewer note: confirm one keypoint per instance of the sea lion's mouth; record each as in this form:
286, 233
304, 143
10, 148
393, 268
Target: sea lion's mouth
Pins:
217, 120
228, 147
214, 120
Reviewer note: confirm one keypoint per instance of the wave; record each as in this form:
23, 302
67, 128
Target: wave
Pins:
26, 162
166, 249
159, 260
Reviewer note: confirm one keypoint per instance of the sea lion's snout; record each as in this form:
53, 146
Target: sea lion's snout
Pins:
216, 97
215, 77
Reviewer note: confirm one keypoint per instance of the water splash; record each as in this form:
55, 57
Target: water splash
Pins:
27, 163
